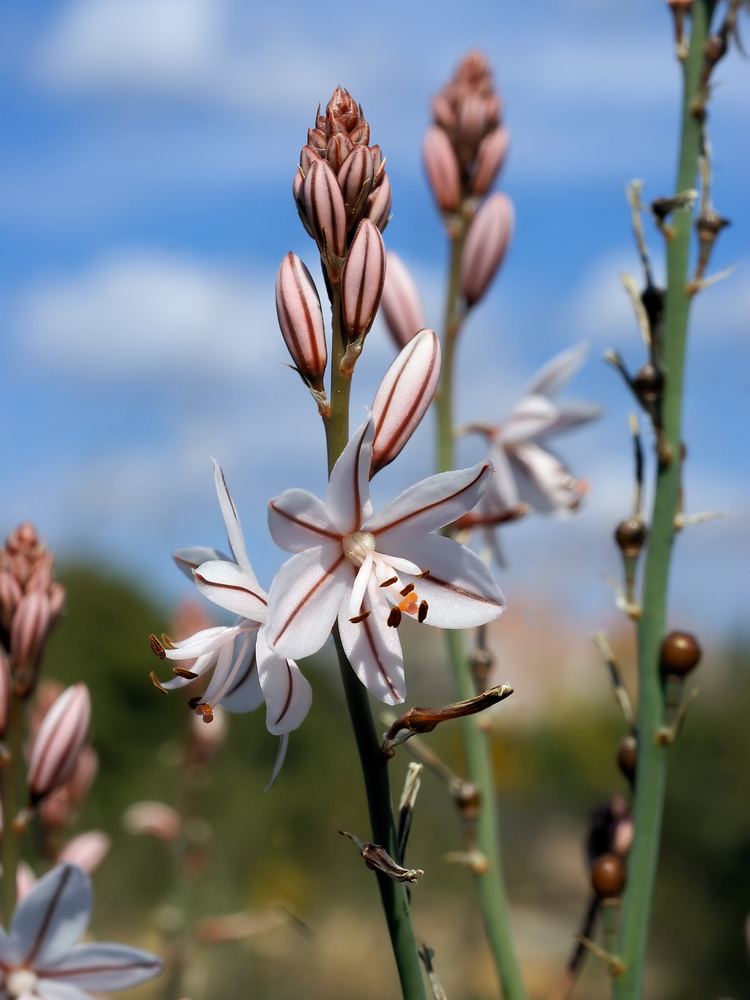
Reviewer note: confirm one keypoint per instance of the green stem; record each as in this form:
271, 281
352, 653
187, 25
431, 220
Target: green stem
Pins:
492, 893
374, 764
652, 760
10, 798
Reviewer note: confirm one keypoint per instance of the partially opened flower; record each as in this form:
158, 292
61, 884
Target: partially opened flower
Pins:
527, 472
367, 570
242, 671
41, 956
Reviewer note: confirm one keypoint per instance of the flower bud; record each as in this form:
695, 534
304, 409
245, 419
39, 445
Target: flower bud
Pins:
338, 148
378, 163
153, 818
362, 280
87, 850
608, 876
491, 155
379, 204
324, 208
401, 305
442, 112
10, 596
442, 169
308, 155
680, 654
28, 633
301, 319
56, 746
404, 396
355, 179
486, 245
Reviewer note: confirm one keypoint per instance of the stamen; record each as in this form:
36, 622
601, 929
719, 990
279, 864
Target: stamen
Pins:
422, 613
389, 582
407, 589
157, 683
423, 574
184, 672
359, 618
394, 618
205, 711
157, 647
168, 644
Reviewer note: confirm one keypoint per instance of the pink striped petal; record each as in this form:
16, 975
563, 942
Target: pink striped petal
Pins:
232, 588
373, 648
287, 692
53, 916
102, 967
298, 520
347, 498
232, 522
556, 374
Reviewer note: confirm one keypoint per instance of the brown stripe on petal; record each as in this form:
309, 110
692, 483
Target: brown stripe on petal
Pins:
357, 493
47, 919
367, 629
430, 506
288, 701
231, 586
463, 592
89, 969
311, 592
244, 677
305, 524
385, 448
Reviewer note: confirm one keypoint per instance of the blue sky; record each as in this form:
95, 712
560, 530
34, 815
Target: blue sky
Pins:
145, 171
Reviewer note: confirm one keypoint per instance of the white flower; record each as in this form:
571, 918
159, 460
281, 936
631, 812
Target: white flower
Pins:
243, 671
368, 570
41, 957
526, 470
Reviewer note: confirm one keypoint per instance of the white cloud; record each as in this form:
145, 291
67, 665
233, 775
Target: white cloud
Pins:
148, 314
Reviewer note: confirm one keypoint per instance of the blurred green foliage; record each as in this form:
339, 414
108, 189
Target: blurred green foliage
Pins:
283, 846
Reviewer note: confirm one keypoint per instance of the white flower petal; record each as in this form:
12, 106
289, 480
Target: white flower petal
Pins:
287, 693
428, 505
558, 372
373, 648
207, 640
53, 916
348, 495
227, 667
298, 520
9, 951
459, 589
544, 481
200, 668
245, 694
48, 989
102, 967
571, 415
280, 758
360, 585
502, 490
189, 559
232, 523
304, 600
533, 416
233, 588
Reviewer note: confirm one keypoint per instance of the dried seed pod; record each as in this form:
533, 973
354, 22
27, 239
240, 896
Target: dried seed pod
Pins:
401, 305
491, 155
404, 396
486, 245
608, 876
648, 385
627, 756
301, 319
362, 280
442, 169
680, 654
630, 536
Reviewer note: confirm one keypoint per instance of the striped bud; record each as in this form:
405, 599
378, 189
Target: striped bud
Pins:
301, 319
10, 596
338, 148
307, 157
55, 749
486, 245
404, 397
324, 208
490, 157
379, 204
362, 281
355, 179
378, 162
442, 169
28, 633
4, 692
401, 305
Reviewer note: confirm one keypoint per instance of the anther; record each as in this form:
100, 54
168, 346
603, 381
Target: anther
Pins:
359, 618
422, 613
157, 683
389, 582
184, 672
423, 574
205, 711
157, 647
394, 618
407, 589
166, 641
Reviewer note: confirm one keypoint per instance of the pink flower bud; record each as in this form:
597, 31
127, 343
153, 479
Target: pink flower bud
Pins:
56, 596
379, 204
10, 596
402, 307
301, 319
442, 169
56, 746
338, 148
28, 632
83, 776
4, 691
404, 396
307, 156
153, 818
378, 163
486, 244
324, 208
491, 155
442, 112
87, 850
362, 281
297, 185
355, 179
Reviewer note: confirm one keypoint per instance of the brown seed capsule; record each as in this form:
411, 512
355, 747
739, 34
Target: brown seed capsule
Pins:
648, 384
680, 653
630, 536
627, 756
608, 876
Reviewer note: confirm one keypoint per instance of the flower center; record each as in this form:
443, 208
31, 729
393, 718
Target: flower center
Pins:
21, 982
358, 546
